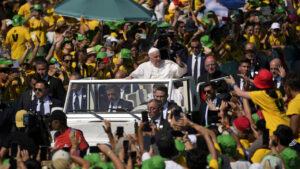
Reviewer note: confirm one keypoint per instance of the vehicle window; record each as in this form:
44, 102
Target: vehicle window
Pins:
109, 97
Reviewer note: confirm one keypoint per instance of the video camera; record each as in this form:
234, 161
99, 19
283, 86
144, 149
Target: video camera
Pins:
38, 125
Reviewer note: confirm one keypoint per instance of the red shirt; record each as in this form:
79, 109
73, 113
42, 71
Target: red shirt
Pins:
62, 140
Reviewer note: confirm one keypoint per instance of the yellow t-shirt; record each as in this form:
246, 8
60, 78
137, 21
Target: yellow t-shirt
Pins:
245, 143
294, 109
272, 109
127, 66
259, 155
25, 10
37, 29
93, 24
255, 40
16, 38
276, 40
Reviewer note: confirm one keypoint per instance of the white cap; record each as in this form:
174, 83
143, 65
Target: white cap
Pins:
60, 154
152, 50
57, 108
275, 25
112, 39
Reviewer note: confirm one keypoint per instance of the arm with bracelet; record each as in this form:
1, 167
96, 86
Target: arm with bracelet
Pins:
230, 81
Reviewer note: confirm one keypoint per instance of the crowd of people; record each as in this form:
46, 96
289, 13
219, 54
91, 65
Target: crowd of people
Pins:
247, 63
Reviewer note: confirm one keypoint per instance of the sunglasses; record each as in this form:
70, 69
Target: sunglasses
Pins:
68, 61
207, 91
38, 89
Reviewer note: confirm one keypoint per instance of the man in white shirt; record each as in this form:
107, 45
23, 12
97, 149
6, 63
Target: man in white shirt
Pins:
157, 68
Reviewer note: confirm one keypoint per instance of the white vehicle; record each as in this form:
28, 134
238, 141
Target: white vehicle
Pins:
94, 103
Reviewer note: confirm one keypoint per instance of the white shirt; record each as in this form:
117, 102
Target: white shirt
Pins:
122, 92
206, 111
167, 70
165, 111
46, 105
32, 95
79, 93
157, 122
114, 107
194, 57
278, 82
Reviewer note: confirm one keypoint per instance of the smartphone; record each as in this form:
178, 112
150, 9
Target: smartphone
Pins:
14, 149
177, 112
143, 36
44, 152
67, 149
145, 116
133, 156
26, 119
266, 138
120, 131
126, 146
94, 149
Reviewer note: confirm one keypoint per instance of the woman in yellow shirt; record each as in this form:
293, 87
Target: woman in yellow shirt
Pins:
269, 99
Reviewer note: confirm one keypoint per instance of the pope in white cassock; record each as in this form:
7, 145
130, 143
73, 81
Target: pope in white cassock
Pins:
157, 68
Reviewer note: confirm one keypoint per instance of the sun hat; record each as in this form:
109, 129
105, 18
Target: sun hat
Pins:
60, 154
272, 161
18, 20
60, 164
263, 79
290, 158
207, 41
156, 162
20, 118
242, 123
227, 144
37, 7
125, 53
90, 51
275, 25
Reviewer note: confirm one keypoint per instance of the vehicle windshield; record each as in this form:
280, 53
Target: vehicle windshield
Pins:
115, 96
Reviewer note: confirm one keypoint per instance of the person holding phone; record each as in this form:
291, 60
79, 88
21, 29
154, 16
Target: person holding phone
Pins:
62, 137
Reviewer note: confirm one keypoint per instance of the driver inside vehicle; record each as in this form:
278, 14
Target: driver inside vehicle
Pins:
115, 103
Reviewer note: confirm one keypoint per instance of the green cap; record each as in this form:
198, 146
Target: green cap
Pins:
101, 55
207, 41
153, 23
206, 20
156, 162
80, 37
255, 117
125, 53
279, 9
227, 144
37, 7
97, 48
8, 62
5, 161
52, 60
111, 25
290, 158
179, 145
93, 158
209, 156
66, 40
18, 20
163, 25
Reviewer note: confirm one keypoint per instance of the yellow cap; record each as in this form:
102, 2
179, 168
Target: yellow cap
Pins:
19, 118
298, 28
